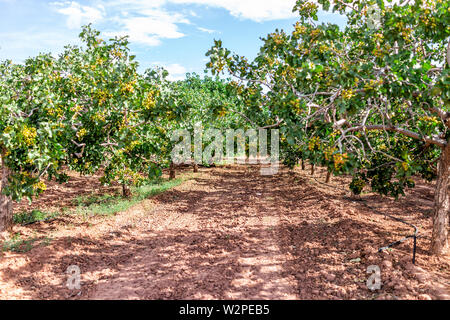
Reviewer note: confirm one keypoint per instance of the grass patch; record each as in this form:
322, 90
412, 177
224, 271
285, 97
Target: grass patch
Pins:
25, 218
112, 204
87, 206
159, 187
20, 245
17, 244
86, 201
107, 204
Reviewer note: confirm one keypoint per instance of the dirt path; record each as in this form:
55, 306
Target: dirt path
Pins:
213, 239
230, 233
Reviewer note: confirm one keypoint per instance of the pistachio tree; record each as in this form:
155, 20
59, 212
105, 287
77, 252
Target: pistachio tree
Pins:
87, 110
32, 140
371, 99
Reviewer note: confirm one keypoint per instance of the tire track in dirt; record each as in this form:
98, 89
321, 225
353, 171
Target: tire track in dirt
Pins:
217, 240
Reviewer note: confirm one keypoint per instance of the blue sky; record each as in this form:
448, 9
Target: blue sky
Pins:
174, 34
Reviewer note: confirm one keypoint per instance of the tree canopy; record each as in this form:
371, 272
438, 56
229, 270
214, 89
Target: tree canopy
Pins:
371, 100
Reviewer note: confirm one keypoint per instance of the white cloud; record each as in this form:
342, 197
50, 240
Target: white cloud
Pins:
77, 14
256, 10
193, 13
149, 22
210, 31
136, 3
176, 71
150, 27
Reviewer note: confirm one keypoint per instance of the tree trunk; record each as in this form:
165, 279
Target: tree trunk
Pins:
312, 169
172, 171
126, 192
6, 212
195, 167
327, 180
439, 240
303, 164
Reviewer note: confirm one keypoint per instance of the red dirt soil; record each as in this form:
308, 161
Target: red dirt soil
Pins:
230, 233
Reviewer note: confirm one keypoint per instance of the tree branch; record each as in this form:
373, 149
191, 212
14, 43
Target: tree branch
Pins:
436, 141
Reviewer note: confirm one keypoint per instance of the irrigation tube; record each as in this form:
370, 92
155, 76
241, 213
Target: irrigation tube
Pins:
414, 236
37, 221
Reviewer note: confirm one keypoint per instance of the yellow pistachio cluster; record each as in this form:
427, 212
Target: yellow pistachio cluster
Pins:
314, 144
128, 87
296, 106
150, 100
55, 111
222, 113
76, 108
379, 36
7, 129
299, 30
29, 135
133, 145
277, 38
102, 96
117, 53
55, 76
348, 94
98, 117
40, 186
433, 120
405, 166
323, 48
314, 33
309, 6
329, 152
335, 133
99, 61
339, 160
373, 84
81, 134
428, 20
